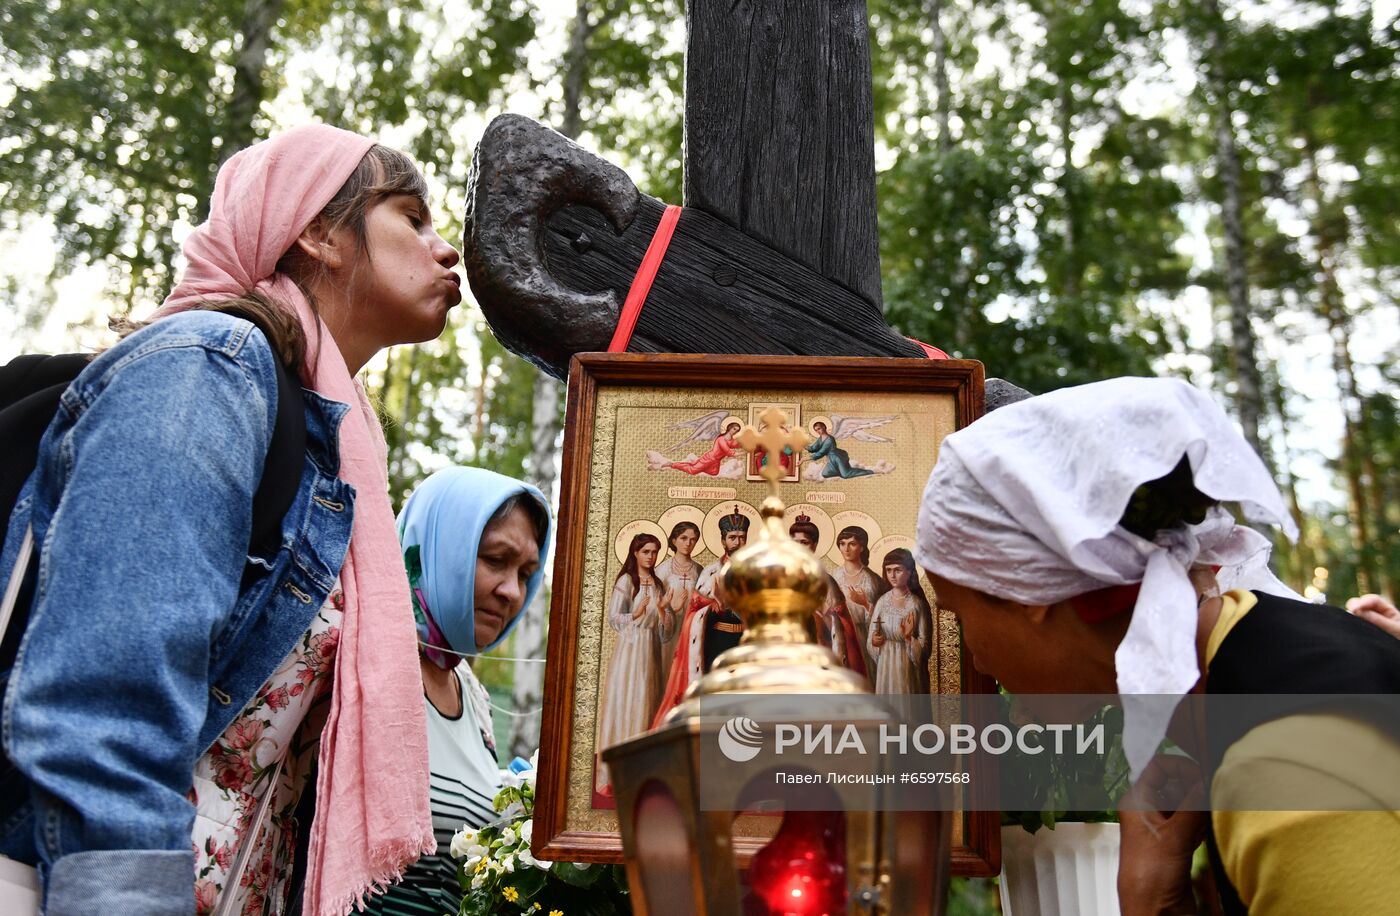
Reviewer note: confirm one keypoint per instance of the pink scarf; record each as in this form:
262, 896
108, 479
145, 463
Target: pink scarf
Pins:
372, 816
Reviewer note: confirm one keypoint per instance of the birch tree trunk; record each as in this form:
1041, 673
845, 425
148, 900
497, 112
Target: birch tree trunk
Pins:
1304, 559
545, 424
1244, 360
1333, 311
528, 688
942, 105
943, 100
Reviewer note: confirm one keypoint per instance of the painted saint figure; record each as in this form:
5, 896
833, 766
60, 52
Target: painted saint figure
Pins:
709, 628
708, 463
838, 460
900, 629
858, 582
679, 575
835, 628
633, 685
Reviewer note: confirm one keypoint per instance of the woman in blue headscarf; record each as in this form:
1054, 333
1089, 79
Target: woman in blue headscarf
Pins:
474, 543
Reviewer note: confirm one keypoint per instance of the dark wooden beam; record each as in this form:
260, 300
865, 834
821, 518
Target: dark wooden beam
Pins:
719, 290
779, 130
555, 236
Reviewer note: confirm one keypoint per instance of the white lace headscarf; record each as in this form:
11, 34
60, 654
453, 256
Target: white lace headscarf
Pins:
1024, 505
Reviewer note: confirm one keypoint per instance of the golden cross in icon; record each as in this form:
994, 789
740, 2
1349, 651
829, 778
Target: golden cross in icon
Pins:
773, 435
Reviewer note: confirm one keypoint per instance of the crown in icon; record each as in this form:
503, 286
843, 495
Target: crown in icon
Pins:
735, 521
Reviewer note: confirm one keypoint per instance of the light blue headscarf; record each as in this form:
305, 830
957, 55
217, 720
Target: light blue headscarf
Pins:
440, 529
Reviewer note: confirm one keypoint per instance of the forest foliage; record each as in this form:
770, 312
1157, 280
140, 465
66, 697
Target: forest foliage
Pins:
1070, 190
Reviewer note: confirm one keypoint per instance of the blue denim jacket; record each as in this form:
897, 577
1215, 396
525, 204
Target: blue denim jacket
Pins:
142, 646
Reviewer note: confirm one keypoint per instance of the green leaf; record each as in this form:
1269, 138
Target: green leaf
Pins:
578, 875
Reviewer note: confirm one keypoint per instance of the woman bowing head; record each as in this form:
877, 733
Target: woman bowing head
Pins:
1080, 539
474, 544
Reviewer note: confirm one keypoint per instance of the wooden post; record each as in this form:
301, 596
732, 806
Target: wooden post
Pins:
779, 130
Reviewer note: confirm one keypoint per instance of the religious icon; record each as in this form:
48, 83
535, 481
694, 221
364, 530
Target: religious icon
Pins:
719, 461
832, 621
721, 537
832, 461
860, 585
656, 496
709, 628
680, 572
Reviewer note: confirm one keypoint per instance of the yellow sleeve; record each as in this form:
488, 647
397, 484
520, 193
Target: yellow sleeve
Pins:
1233, 606
1342, 861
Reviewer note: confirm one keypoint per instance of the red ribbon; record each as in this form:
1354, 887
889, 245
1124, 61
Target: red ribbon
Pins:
646, 274
641, 283
930, 351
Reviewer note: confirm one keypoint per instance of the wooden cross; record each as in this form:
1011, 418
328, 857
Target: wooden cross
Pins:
774, 437
777, 250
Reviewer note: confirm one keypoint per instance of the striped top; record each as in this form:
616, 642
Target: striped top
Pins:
465, 779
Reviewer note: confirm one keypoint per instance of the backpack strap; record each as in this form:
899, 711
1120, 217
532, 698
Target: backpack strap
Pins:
247, 844
16, 581
24, 375
30, 390
281, 475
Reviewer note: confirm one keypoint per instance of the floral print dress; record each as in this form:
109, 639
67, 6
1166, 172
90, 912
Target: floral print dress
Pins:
283, 721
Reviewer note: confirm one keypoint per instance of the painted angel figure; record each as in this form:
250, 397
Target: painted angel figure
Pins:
711, 426
838, 460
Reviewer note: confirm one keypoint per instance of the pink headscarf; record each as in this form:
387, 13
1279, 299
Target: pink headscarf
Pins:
372, 815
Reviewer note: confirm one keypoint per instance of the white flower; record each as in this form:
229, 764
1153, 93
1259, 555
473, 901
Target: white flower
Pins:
510, 780
460, 841
476, 852
527, 830
508, 864
508, 837
512, 811
527, 859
